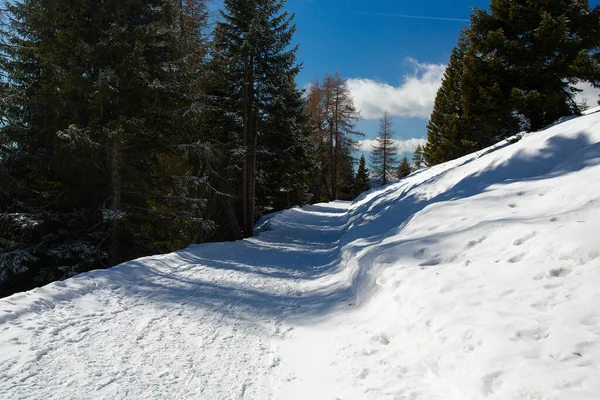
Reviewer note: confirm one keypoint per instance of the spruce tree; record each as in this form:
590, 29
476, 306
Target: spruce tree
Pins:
262, 131
99, 92
361, 181
538, 50
445, 127
404, 169
383, 157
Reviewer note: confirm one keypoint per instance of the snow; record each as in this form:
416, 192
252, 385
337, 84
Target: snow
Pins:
478, 278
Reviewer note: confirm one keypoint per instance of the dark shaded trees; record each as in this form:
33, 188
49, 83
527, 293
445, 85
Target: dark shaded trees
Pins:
514, 69
102, 95
361, 180
262, 123
417, 159
404, 168
539, 50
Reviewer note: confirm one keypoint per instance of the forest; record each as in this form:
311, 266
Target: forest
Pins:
133, 128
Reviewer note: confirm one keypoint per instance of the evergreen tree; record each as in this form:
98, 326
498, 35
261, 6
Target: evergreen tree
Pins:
418, 161
361, 181
383, 157
538, 50
470, 111
404, 169
445, 127
98, 92
262, 130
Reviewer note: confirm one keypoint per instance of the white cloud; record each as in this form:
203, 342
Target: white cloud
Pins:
404, 146
589, 94
414, 97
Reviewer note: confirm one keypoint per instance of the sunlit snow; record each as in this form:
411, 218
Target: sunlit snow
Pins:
478, 278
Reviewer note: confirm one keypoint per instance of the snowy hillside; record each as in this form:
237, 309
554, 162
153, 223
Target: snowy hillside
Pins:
475, 279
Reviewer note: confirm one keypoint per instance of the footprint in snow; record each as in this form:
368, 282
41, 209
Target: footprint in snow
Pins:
382, 339
532, 335
491, 382
474, 243
421, 253
431, 263
524, 239
516, 258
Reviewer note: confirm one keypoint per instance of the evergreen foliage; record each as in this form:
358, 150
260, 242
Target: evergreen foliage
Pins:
383, 157
257, 115
102, 97
361, 181
538, 50
514, 69
404, 169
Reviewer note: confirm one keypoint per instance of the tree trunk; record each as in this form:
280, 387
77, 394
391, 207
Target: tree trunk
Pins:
232, 221
250, 142
332, 162
115, 201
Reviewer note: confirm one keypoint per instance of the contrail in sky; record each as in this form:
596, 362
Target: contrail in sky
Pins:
409, 16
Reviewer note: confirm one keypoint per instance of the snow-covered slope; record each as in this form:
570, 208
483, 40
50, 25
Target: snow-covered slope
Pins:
478, 278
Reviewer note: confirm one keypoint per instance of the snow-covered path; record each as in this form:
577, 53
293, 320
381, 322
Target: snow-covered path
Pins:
475, 279
201, 323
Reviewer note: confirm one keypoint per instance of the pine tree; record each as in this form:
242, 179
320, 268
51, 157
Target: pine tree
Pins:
361, 181
418, 161
538, 50
383, 157
404, 169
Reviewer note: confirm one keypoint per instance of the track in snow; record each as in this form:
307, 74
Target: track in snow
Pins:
475, 279
202, 323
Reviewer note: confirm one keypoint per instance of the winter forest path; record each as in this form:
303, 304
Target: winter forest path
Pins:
205, 322
475, 279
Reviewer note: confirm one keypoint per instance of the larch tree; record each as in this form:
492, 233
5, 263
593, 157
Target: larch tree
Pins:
333, 120
417, 159
385, 150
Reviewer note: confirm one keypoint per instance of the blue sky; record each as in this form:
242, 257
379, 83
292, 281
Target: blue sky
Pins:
392, 62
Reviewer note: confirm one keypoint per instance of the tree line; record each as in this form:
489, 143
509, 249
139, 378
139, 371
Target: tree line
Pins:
514, 69
133, 128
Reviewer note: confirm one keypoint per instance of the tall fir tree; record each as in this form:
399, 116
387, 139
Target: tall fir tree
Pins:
361, 181
538, 50
99, 92
262, 132
404, 169
445, 129
383, 156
